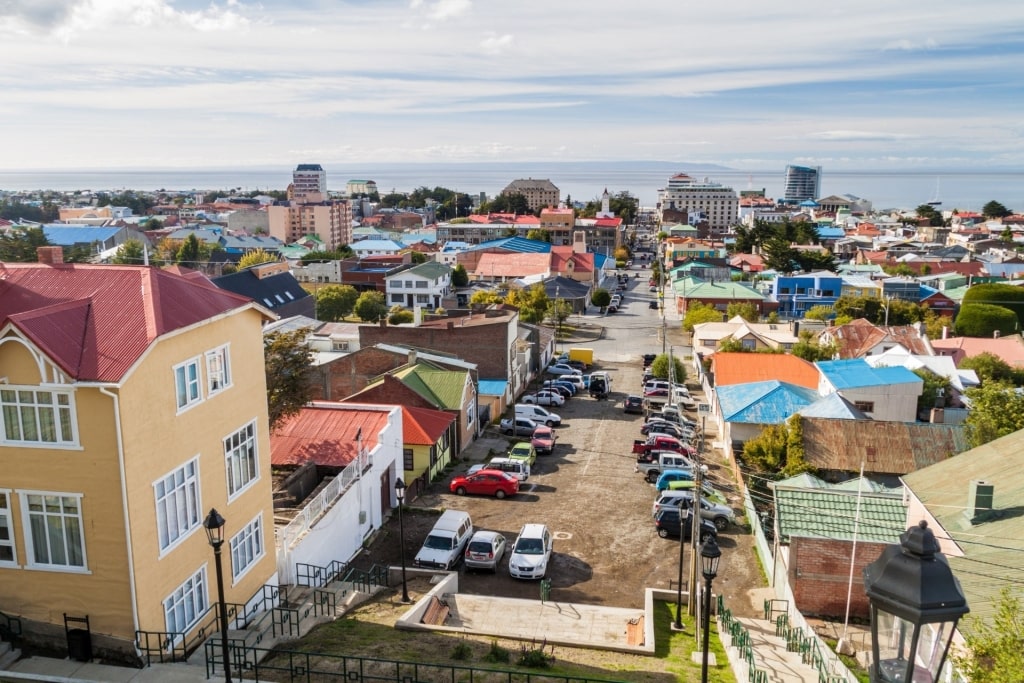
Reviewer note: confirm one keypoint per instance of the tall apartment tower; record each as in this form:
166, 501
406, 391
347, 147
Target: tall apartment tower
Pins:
716, 203
309, 183
802, 183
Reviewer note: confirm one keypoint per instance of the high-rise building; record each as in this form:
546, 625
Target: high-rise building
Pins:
715, 203
539, 193
331, 221
802, 183
309, 183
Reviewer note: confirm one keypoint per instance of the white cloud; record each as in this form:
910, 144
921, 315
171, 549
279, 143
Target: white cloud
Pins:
856, 135
495, 44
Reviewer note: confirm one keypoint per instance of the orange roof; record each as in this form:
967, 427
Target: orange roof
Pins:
325, 434
512, 265
1010, 348
741, 368
562, 255
422, 426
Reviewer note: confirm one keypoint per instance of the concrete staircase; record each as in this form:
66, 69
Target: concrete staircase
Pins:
8, 655
772, 657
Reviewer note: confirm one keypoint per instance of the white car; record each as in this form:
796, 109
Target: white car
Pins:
531, 552
563, 369
545, 397
485, 550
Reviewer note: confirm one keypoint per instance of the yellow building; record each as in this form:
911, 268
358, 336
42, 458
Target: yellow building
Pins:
132, 401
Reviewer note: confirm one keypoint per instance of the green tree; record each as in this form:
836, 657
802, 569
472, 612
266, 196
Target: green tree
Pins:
558, 312
539, 234
190, 253
982, 320
417, 257
289, 369
989, 367
460, 278
778, 449
743, 309
255, 258
399, 316
335, 302
818, 313
993, 652
930, 393
697, 313
600, 297
931, 213
370, 306
994, 209
811, 349
779, 255
751, 238
343, 252
660, 368
19, 245
795, 462
129, 252
532, 302
487, 296
997, 294
733, 345
997, 409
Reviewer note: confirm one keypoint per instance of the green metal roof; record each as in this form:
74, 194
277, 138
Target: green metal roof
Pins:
694, 288
832, 513
429, 269
441, 387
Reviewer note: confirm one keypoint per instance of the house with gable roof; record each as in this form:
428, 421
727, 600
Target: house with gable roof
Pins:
424, 285
795, 294
428, 443
886, 394
860, 338
718, 294
271, 285
746, 409
1009, 348
707, 337
134, 401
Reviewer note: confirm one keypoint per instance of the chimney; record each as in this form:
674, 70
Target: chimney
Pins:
937, 416
995, 334
412, 356
980, 497
51, 256
945, 331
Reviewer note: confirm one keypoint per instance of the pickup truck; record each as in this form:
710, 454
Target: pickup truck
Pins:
665, 461
659, 442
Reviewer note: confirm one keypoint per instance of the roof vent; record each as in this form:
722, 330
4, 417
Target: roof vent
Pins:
980, 498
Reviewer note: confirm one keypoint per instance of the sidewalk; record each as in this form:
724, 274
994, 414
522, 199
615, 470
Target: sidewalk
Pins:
52, 670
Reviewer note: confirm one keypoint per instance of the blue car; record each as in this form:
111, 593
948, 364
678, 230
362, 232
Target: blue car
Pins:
668, 476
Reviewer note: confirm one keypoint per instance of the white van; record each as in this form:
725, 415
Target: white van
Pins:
446, 542
537, 414
519, 469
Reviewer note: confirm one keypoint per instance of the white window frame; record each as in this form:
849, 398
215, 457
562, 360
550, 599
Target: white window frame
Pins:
247, 548
241, 464
183, 384
192, 595
65, 534
15, 404
178, 505
218, 370
7, 529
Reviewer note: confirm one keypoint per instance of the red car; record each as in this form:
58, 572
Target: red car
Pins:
544, 439
486, 483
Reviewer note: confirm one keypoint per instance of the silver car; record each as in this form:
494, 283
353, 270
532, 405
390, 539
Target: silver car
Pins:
721, 515
485, 550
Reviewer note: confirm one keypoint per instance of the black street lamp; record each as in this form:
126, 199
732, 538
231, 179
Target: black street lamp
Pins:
709, 556
915, 605
214, 525
400, 495
678, 625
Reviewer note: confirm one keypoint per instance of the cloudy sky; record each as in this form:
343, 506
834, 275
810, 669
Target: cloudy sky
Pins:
232, 83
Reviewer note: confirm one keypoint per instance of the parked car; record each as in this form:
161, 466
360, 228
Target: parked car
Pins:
650, 393
653, 304
564, 384
524, 451
544, 397
562, 369
633, 404
649, 358
667, 522
706, 490
518, 426
485, 483
576, 380
544, 439
563, 390
719, 515
665, 427
485, 550
531, 552
669, 476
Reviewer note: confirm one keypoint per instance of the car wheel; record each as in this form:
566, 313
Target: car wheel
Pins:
652, 477
721, 523
499, 494
704, 537
663, 533
460, 491
507, 432
550, 423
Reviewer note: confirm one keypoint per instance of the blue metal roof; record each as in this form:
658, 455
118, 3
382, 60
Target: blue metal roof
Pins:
68, 235
831, 233
833, 406
769, 402
492, 387
520, 244
855, 372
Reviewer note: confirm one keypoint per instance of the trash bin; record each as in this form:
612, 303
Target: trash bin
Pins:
545, 589
79, 644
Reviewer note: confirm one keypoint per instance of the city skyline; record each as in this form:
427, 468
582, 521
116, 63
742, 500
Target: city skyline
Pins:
108, 84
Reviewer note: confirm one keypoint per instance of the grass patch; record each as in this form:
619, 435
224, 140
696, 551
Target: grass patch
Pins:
675, 648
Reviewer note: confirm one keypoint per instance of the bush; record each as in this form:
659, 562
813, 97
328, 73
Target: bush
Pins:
497, 654
400, 317
534, 658
462, 652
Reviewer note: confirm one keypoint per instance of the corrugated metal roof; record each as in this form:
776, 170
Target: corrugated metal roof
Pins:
95, 322
768, 402
856, 373
993, 549
740, 368
833, 406
424, 427
492, 387
832, 513
882, 447
326, 434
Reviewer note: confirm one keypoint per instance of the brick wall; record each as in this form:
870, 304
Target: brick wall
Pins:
351, 373
484, 345
819, 573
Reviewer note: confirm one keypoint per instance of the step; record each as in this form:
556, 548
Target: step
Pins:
8, 655
772, 657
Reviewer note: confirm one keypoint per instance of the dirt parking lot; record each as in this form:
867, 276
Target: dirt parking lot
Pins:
606, 550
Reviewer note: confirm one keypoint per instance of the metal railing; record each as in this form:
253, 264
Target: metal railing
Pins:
311, 666
10, 627
319, 504
176, 646
366, 579
315, 576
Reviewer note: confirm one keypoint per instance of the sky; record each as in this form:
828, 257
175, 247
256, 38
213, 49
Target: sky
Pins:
872, 84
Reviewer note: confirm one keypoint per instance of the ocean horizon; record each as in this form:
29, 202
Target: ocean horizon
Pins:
966, 190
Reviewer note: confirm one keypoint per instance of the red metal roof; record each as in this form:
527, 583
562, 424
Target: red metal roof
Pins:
325, 434
424, 427
95, 322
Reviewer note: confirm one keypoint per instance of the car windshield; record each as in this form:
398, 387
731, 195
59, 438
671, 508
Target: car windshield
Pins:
480, 547
529, 546
438, 542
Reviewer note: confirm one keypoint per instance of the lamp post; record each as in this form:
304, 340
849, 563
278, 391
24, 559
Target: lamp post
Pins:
709, 556
400, 495
678, 625
214, 525
915, 604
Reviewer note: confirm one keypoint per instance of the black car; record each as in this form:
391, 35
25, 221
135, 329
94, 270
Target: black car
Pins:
649, 358
633, 404
667, 524
653, 304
